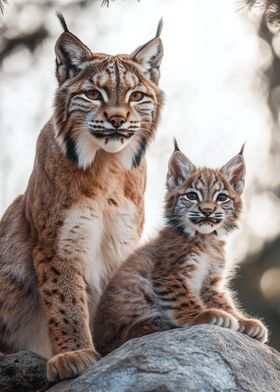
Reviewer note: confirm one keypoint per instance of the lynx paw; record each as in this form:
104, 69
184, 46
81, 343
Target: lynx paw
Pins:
253, 328
217, 317
70, 364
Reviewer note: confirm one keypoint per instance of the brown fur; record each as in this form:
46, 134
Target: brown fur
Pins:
82, 213
180, 277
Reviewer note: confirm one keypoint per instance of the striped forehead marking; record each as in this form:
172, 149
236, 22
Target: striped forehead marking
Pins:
101, 78
111, 71
116, 72
207, 183
120, 68
217, 185
199, 185
115, 75
201, 181
131, 80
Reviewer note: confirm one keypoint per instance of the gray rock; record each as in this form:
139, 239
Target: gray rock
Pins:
22, 372
201, 358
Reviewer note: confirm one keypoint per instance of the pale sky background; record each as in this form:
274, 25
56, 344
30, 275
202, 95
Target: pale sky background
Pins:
212, 75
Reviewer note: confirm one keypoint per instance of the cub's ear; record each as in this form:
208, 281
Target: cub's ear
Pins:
70, 52
235, 171
179, 168
150, 55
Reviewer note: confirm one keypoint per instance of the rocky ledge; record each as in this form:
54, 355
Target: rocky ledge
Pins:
201, 358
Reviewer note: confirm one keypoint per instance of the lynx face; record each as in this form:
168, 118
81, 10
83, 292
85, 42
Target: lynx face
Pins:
207, 203
201, 199
106, 102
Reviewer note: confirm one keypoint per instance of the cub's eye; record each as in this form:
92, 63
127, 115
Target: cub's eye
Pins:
192, 196
94, 95
136, 96
222, 197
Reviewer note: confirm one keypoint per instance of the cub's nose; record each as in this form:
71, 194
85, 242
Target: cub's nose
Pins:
207, 211
117, 121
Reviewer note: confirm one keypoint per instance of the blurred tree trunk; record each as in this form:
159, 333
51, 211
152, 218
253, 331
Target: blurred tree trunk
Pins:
251, 271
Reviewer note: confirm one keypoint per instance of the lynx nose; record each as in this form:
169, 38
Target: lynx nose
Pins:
207, 211
117, 121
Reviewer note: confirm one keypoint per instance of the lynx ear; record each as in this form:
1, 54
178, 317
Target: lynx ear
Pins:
150, 55
70, 52
234, 171
179, 168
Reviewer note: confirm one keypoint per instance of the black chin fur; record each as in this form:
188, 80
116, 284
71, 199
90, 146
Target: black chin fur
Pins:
136, 159
175, 224
71, 152
230, 227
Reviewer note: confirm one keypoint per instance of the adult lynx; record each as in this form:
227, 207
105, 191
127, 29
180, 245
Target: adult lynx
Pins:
82, 213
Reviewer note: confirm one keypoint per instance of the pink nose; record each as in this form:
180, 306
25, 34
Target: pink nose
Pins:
117, 121
206, 211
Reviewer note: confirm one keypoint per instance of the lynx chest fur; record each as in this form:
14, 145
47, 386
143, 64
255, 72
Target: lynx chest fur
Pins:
204, 264
102, 237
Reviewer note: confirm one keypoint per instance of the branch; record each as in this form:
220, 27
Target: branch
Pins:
2, 2
271, 10
31, 41
105, 3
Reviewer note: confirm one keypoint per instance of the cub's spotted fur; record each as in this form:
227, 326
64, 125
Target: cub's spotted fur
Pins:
179, 278
82, 213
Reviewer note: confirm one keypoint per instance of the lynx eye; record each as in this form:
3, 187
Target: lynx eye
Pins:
222, 197
94, 95
136, 96
191, 196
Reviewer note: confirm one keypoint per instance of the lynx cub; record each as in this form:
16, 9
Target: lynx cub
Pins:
179, 278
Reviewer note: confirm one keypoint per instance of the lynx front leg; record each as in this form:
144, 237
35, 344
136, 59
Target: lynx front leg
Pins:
253, 328
217, 317
186, 308
63, 295
218, 301
216, 296
178, 300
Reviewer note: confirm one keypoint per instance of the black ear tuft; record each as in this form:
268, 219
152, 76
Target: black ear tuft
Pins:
242, 149
176, 147
62, 21
149, 56
159, 28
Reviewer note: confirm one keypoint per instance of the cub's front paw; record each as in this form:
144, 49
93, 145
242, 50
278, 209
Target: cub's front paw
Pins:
217, 317
253, 328
70, 364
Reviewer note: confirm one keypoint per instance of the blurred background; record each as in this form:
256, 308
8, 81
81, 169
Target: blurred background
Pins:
221, 76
